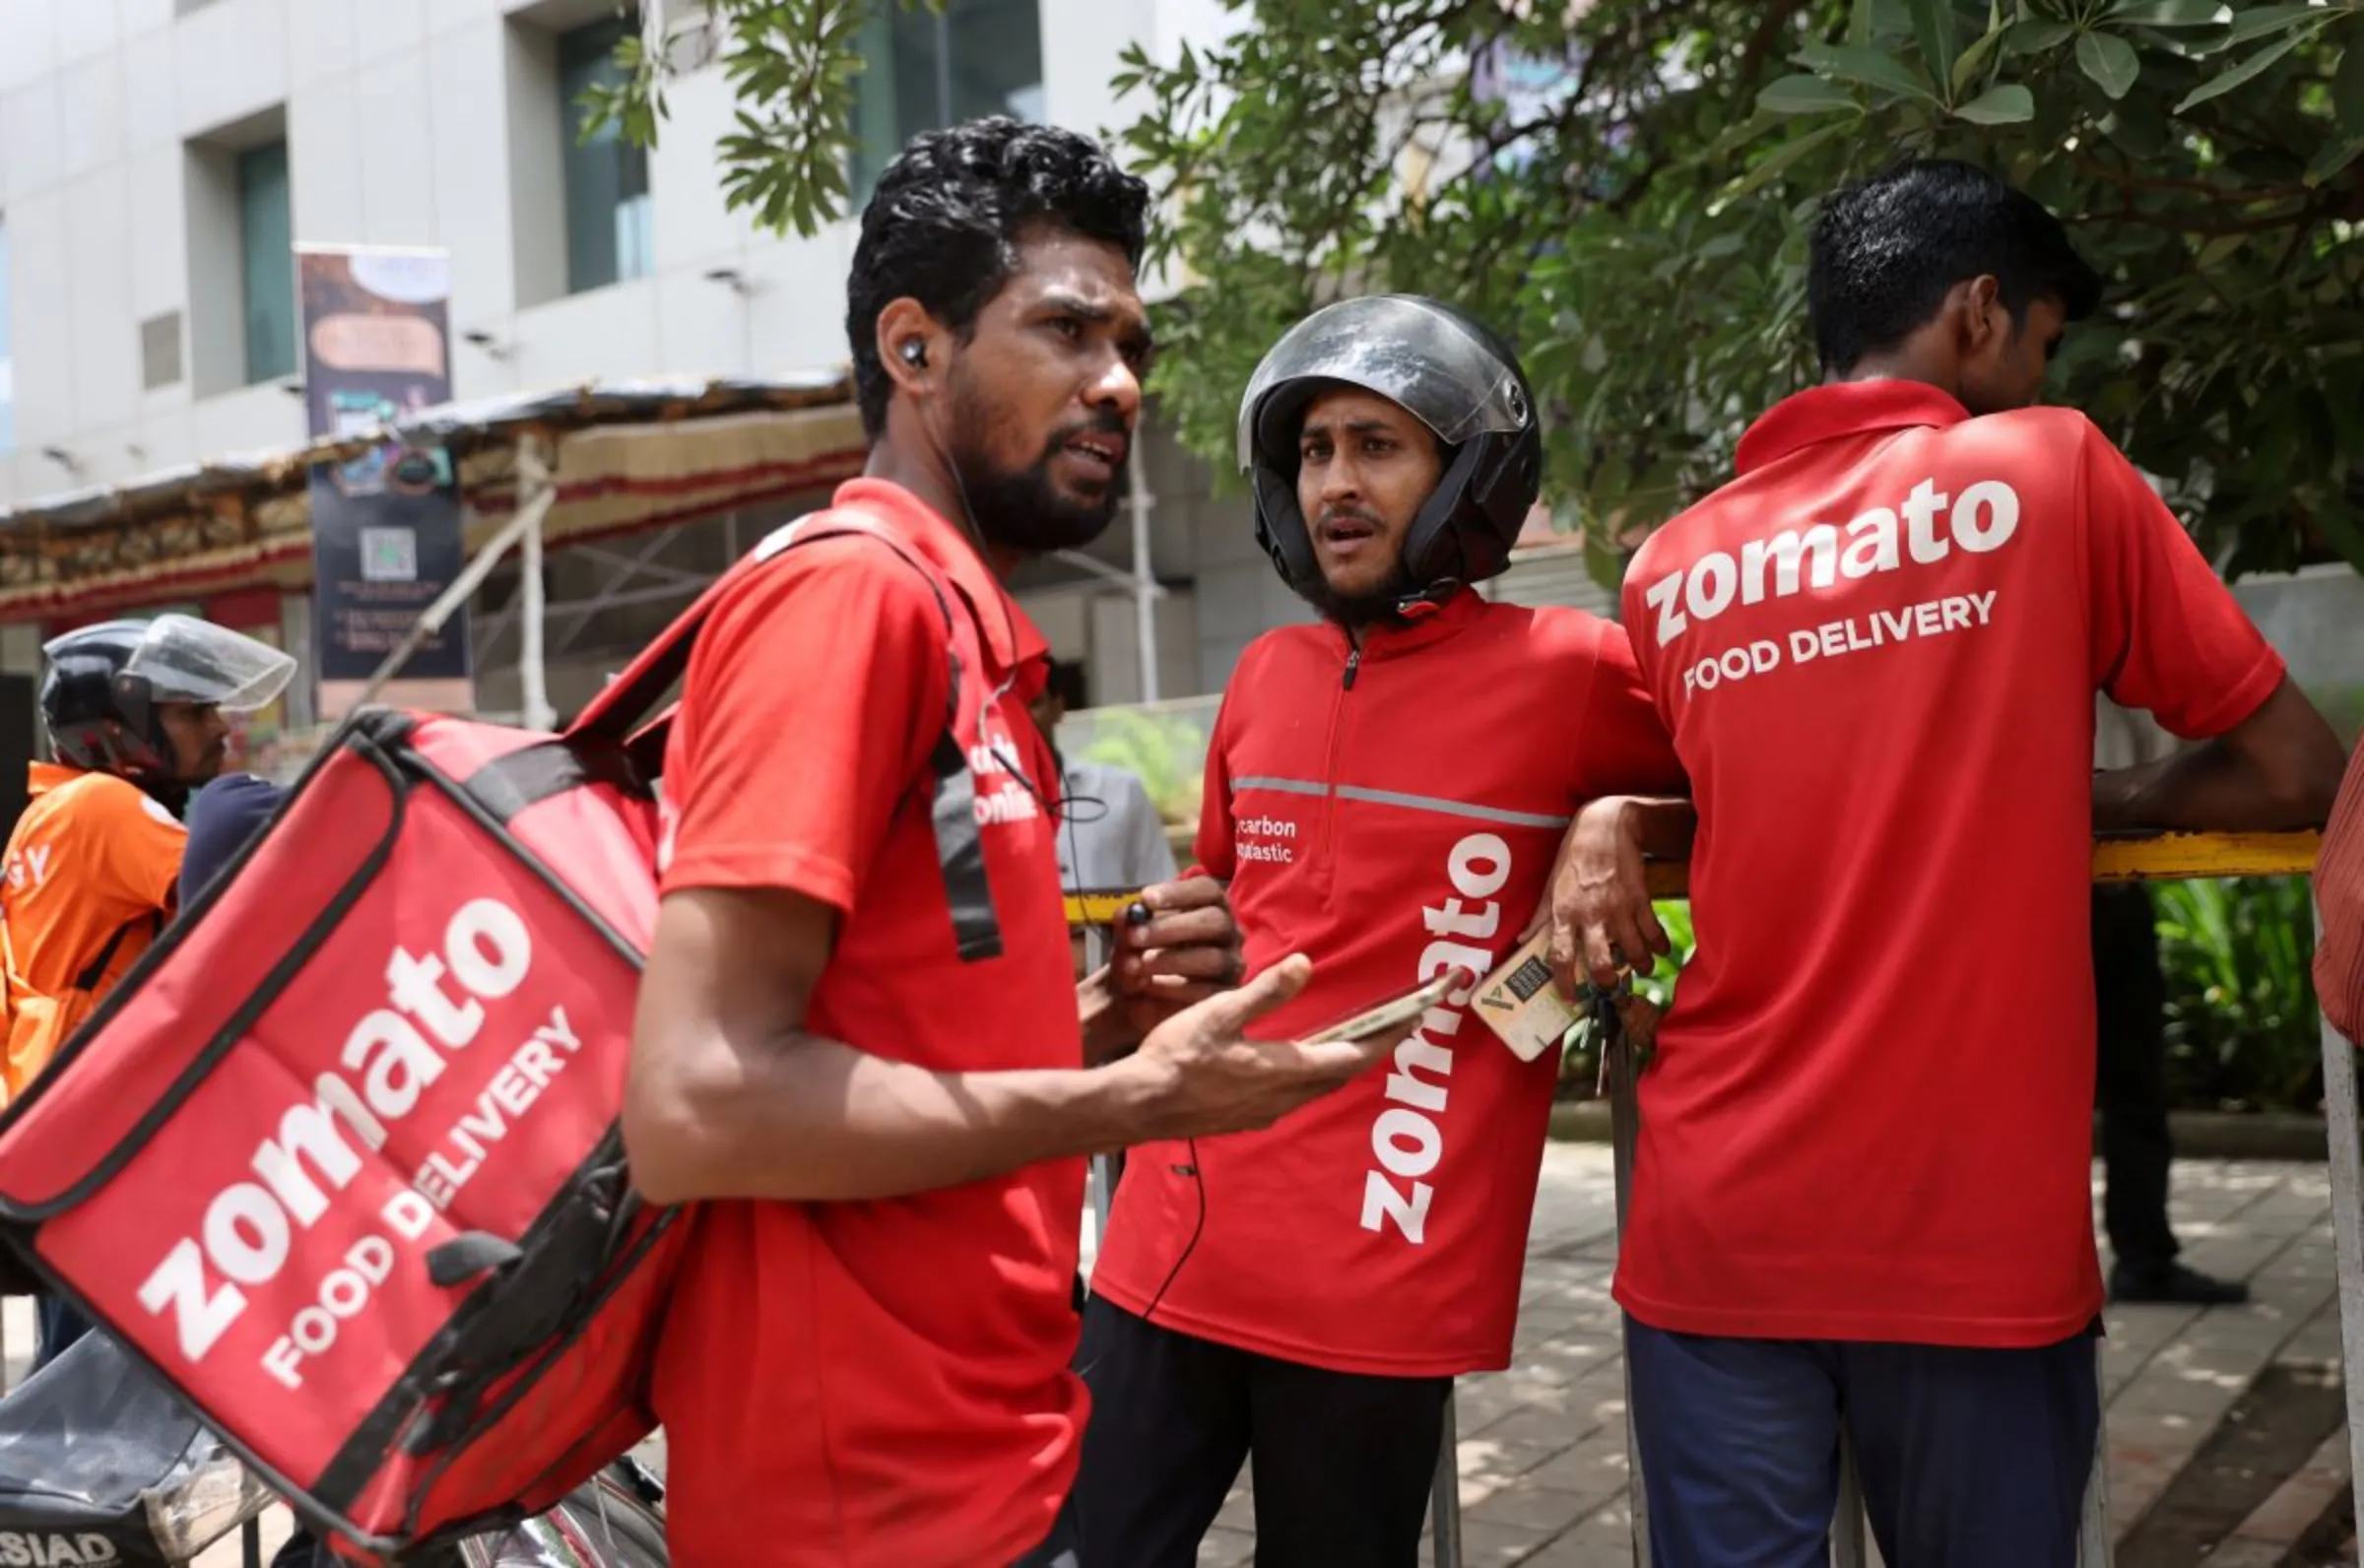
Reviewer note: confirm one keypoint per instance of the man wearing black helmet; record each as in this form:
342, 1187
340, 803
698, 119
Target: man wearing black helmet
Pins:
133, 713
1385, 792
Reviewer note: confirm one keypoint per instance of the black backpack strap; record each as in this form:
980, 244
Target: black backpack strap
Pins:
89, 977
601, 745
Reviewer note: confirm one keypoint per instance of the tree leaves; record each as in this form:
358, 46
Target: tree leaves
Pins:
2108, 60
2008, 105
2260, 20
2249, 69
1771, 167
2169, 13
2334, 156
1641, 226
1973, 59
1934, 30
1869, 67
1804, 94
2035, 38
2347, 88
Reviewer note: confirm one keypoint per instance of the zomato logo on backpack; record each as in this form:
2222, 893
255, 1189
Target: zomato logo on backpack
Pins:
444, 1013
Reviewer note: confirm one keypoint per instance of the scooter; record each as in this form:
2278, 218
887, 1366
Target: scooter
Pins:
100, 1462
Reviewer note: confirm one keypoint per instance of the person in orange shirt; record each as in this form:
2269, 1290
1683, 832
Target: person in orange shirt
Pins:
133, 710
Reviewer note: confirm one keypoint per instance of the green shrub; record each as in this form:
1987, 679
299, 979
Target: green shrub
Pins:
2243, 1030
1166, 752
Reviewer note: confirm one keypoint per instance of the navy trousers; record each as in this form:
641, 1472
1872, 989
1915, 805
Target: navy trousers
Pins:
55, 1326
1970, 1459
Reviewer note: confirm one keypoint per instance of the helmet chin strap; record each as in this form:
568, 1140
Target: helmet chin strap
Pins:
1432, 543
1430, 600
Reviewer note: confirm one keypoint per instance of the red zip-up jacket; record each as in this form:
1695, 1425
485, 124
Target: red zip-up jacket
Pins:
1389, 813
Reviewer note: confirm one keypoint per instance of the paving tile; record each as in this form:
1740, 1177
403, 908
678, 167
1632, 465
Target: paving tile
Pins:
1575, 1552
1586, 1471
2318, 1339
2163, 1431
1550, 1431
1224, 1547
2238, 1553
2294, 1508
1527, 1506
1487, 1544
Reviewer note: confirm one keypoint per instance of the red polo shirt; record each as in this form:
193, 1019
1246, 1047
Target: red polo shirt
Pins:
878, 1384
1869, 1114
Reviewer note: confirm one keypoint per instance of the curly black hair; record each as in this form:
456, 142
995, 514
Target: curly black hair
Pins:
1887, 249
944, 224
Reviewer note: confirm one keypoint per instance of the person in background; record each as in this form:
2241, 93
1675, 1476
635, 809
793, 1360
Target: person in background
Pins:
1111, 838
223, 818
1861, 1193
1384, 791
2129, 993
133, 711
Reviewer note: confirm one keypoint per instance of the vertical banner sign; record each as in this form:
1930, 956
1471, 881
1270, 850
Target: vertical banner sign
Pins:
387, 536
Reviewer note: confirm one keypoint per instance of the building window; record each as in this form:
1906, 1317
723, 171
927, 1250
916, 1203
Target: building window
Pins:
8, 376
927, 69
267, 262
606, 178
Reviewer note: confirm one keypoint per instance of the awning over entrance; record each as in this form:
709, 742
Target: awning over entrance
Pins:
626, 455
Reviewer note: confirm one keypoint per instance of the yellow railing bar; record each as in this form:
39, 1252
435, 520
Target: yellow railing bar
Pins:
1097, 907
2132, 857
2148, 857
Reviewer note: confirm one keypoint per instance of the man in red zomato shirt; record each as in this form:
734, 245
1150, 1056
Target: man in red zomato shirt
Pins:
1863, 1188
1384, 791
857, 1045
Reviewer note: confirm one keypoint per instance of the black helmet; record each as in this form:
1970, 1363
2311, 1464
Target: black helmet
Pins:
1446, 369
101, 692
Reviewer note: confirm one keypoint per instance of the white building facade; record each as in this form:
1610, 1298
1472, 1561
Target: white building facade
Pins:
158, 158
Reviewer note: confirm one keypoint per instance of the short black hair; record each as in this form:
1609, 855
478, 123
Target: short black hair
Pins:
1886, 250
945, 222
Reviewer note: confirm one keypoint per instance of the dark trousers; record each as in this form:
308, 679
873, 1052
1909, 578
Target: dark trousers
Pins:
1342, 1463
57, 1325
1970, 1459
301, 1551
2130, 1084
1058, 1549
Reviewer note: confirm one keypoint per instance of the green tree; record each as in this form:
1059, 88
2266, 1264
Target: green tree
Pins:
1635, 211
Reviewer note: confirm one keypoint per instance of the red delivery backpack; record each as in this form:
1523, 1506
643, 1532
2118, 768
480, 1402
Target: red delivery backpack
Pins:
339, 1158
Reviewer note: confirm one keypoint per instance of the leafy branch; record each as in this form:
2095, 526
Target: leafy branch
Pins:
1623, 187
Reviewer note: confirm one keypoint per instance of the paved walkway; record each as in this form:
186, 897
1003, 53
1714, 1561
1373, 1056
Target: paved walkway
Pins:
1543, 1445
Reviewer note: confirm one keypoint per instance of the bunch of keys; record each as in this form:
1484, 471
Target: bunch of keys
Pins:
1619, 1013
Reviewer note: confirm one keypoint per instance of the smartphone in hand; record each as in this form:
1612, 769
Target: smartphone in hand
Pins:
1394, 1013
